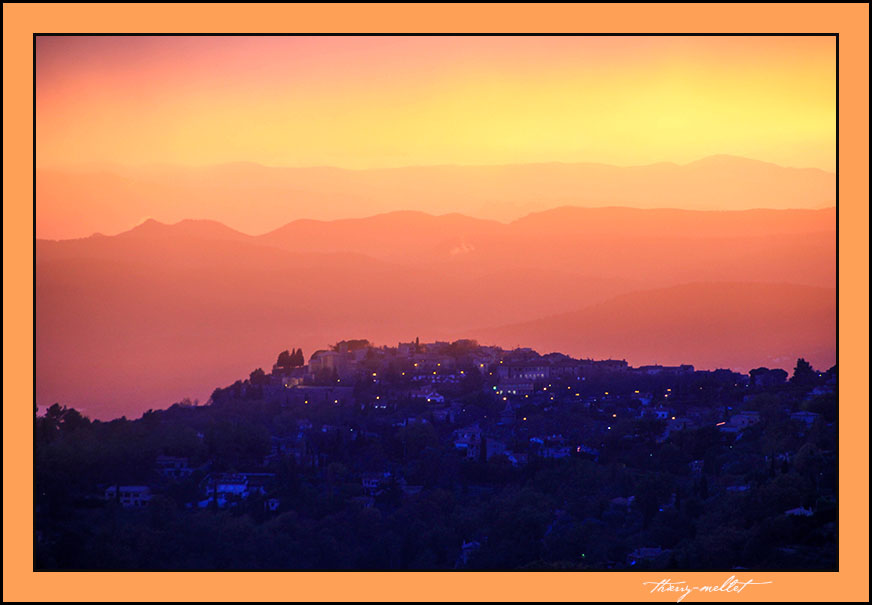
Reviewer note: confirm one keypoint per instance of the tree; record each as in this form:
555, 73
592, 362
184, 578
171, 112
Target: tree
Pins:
297, 359
258, 377
803, 373
285, 359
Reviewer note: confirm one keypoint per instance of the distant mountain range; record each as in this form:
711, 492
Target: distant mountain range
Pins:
139, 320
713, 325
256, 198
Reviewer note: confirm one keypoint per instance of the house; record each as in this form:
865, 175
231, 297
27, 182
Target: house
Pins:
799, 512
658, 413
343, 364
444, 414
471, 440
406, 349
426, 392
228, 489
741, 421
825, 389
806, 417
676, 423
657, 370
554, 452
172, 467
493, 447
411, 420
611, 365
745, 419
316, 395
524, 372
374, 483
587, 450
507, 416
129, 496
409, 490
643, 398
278, 383
467, 433
514, 387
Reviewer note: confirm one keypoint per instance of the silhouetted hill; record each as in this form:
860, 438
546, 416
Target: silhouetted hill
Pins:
188, 228
710, 325
163, 311
400, 235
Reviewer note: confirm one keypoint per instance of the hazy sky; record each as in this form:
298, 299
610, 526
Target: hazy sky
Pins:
362, 102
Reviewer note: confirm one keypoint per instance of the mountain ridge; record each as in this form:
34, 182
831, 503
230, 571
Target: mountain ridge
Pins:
275, 196
153, 224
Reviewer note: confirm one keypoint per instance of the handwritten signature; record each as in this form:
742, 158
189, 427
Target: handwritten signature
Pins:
684, 589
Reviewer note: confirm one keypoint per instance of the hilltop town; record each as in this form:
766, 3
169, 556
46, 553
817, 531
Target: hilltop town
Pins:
454, 455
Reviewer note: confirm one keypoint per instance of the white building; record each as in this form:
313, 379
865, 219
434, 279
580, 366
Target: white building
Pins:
129, 496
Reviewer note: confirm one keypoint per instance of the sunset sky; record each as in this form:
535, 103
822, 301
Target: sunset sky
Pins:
374, 102
135, 134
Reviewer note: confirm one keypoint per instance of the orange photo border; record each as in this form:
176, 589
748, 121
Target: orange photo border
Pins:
21, 21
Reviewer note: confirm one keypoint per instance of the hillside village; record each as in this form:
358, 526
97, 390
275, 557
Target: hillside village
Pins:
599, 464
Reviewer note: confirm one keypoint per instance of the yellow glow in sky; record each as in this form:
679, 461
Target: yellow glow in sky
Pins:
361, 102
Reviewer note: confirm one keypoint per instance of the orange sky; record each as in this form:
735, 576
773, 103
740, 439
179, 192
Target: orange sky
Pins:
366, 102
